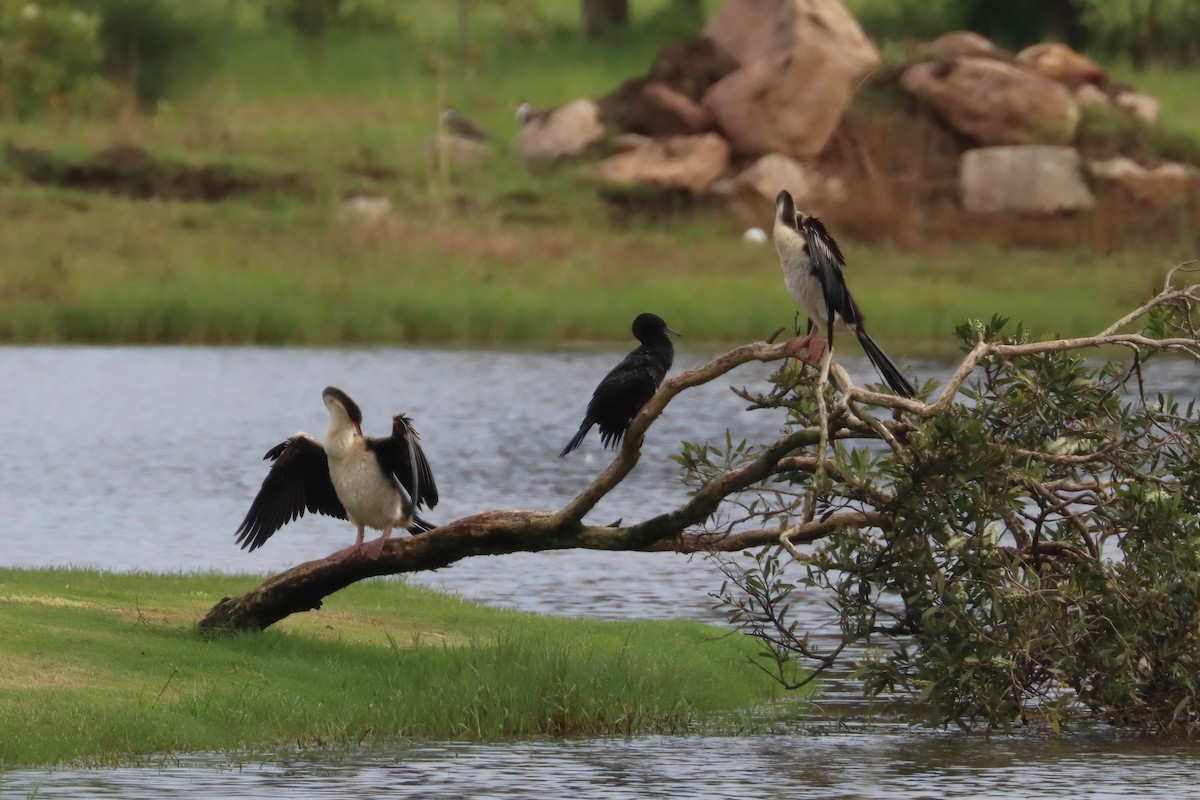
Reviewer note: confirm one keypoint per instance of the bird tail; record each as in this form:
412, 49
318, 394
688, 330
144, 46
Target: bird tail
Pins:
420, 525
886, 368
577, 438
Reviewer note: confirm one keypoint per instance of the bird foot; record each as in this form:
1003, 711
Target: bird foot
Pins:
349, 552
373, 550
812, 346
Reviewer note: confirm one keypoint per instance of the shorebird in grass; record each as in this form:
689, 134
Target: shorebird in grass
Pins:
812, 271
377, 483
463, 126
624, 390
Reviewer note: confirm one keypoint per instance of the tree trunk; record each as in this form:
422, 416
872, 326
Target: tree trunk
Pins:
601, 17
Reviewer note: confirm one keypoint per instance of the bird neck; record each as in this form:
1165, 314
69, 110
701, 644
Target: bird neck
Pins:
660, 347
342, 438
789, 243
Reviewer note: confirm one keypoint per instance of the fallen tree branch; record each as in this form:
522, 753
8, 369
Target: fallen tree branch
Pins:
302, 588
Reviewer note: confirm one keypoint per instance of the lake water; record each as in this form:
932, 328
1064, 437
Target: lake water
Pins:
147, 458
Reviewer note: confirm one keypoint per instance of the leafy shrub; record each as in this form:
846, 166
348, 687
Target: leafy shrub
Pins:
312, 18
147, 44
49, 53
890, 20
1028, 552
1165, 30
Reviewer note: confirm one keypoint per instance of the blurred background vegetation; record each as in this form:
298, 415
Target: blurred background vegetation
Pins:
300, 104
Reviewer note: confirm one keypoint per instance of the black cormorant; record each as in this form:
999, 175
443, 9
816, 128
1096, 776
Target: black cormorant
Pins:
629, 385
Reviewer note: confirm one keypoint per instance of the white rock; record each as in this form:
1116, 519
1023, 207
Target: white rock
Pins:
1140, 106
366, 207
1028, 179
1170, 184
562, 132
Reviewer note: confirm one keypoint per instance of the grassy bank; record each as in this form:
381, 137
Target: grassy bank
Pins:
487, 255
102, 668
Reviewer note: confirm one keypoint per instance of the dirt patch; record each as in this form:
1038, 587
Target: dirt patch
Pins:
130, 171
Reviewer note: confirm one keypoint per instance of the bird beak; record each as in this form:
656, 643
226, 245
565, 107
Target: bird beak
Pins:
785, 209
674, 332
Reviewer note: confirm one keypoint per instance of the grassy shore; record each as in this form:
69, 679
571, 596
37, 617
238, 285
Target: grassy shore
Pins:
489, 255
125, 271
103, 668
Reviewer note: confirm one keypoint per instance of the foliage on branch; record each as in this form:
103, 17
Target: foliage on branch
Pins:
1035, 553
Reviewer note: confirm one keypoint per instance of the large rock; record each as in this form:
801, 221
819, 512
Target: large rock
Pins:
1166, 185
801, 62
994, 102
563, 132
1060, 63
1027, 179
959, 43
752, 29
676, 162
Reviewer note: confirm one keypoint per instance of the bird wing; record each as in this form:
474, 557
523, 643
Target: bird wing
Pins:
623, 392
401, 455
827, 262
298, 481
637, 377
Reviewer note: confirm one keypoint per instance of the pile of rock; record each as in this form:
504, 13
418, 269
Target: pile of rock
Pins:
1025, 111
736, 110
750, 107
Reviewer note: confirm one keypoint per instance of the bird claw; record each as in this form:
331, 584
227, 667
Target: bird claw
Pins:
372, 550
812, 346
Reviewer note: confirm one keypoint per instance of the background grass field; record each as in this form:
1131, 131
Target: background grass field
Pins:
492, 255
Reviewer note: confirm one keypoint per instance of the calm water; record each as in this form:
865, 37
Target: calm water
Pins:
147, 458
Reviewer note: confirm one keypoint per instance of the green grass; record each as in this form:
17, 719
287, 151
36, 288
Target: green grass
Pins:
103, 668
128, 271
